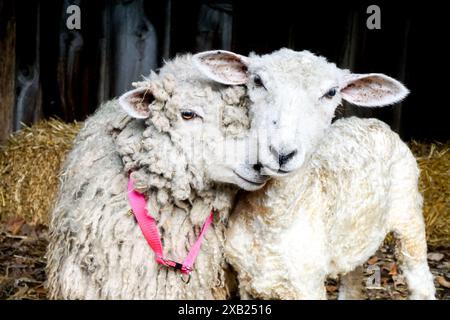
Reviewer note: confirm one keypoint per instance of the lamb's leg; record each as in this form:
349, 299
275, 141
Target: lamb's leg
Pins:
351, 287
272, 288
413, 252
244, 295
407, 222
309, 286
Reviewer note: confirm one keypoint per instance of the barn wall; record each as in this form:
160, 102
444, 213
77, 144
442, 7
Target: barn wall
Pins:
48, 70
7, 67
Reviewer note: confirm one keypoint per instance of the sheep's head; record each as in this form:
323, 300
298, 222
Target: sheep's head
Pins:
194, 132
293, 98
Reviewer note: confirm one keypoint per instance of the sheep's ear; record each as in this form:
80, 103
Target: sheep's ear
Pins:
137, 102
373, 90
222, 66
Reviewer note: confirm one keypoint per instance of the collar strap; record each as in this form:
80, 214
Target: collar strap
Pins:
149, 229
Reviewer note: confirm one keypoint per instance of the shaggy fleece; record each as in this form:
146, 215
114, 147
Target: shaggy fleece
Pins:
96, 248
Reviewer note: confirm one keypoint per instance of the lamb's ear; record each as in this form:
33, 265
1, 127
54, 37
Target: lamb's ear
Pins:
373, 90
222, 66
137, 102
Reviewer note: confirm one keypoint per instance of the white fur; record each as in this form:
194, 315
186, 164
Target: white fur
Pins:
291, 111
331, 216
352, 183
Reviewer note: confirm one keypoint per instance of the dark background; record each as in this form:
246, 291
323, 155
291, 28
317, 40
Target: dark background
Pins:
48, 70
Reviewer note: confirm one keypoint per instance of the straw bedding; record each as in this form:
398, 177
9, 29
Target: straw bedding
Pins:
29, 163
434, 163
31, 158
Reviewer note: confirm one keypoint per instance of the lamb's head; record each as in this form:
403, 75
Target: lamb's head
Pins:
293, 99
194, 132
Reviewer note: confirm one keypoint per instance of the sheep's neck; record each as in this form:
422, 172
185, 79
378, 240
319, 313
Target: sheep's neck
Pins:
179, 228
184, 219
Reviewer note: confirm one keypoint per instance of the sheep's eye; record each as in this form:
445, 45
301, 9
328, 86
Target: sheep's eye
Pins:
331, 93
258, 81
188, 114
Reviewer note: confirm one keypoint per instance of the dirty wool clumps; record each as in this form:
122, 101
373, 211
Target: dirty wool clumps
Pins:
96, 249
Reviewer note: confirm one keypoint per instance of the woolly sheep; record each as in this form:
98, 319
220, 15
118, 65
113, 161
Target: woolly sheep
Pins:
353, 182
96, 250
185, 139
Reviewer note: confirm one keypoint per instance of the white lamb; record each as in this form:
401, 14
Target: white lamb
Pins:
354, 182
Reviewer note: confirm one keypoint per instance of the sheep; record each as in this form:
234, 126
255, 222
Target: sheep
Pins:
184, 136
338, 189
96, 249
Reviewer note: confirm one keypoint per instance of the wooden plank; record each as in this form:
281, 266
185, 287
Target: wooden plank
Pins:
134, 45
70, 66
7, 67
167, 30
28, 106
397, 123
128, 47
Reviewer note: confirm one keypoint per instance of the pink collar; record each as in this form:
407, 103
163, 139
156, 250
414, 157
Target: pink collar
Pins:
151, 234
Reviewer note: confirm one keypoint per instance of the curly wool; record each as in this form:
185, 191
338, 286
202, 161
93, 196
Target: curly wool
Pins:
96, 249
330, 217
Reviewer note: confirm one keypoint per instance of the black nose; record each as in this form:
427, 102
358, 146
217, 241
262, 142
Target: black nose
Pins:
257, 166
283, 158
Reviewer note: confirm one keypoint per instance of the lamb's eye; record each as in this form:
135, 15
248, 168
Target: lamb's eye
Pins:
331, 93
188, 114
258, 81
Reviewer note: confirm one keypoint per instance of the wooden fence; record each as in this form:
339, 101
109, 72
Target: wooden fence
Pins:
46, 69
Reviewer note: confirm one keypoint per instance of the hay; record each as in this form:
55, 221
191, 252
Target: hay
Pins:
29, 163
31, 159
434, 163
